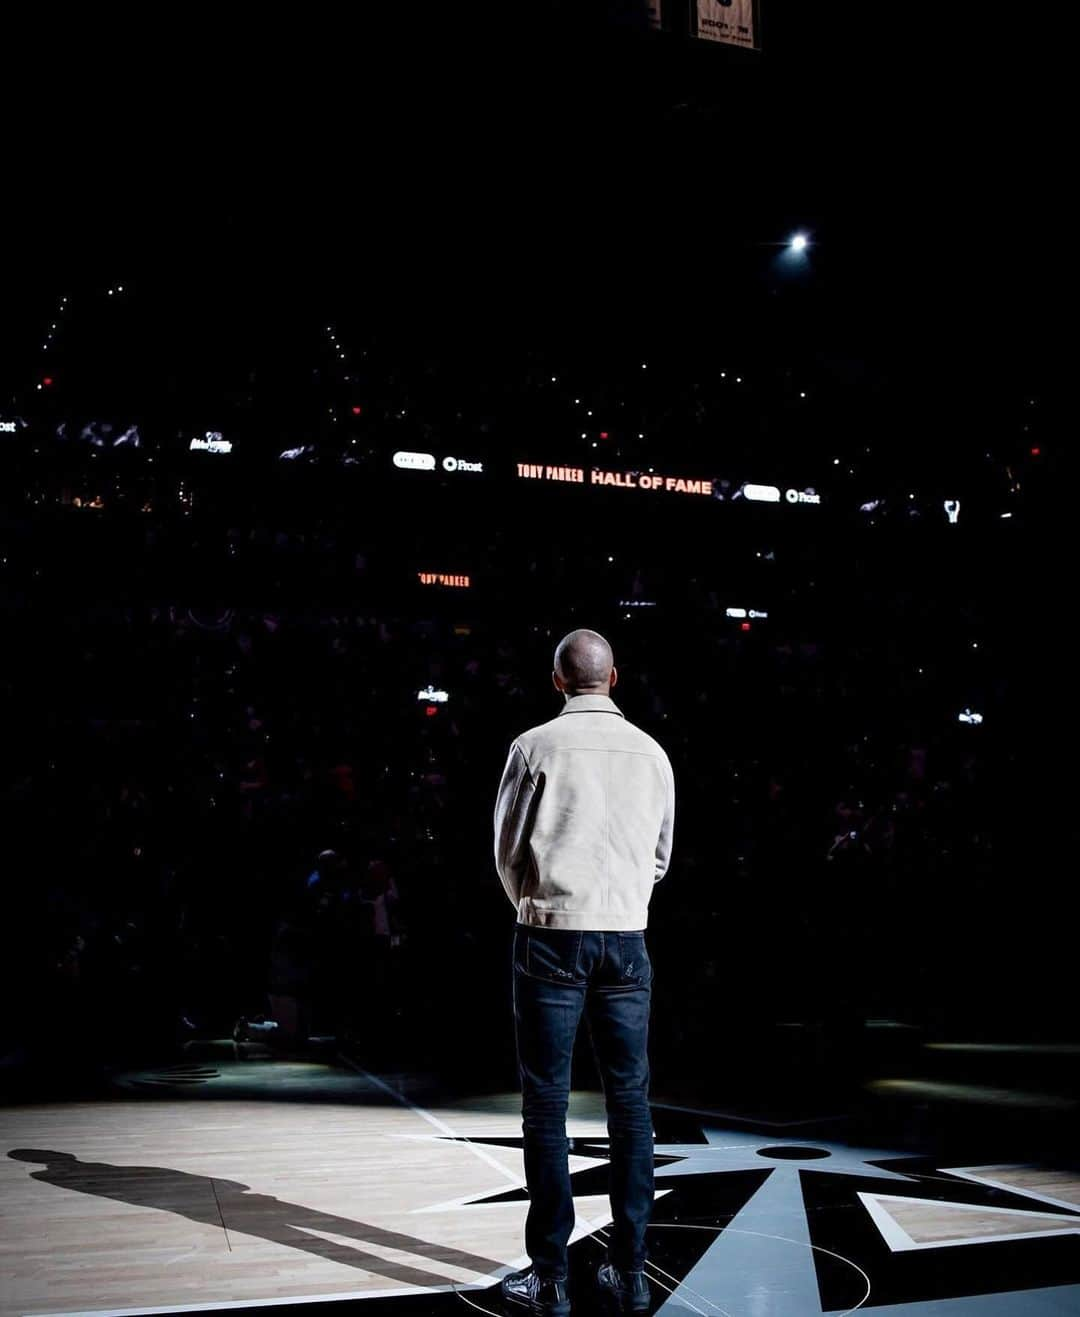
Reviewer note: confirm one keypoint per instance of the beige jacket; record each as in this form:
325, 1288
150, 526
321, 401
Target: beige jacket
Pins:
584, 819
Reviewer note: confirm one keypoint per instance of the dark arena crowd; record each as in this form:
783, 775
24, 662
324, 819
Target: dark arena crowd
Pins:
296, 509
258, 697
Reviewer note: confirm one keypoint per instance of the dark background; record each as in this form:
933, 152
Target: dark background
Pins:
476, 202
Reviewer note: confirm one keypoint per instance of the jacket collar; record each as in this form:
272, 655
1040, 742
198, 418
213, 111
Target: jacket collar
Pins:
591, 704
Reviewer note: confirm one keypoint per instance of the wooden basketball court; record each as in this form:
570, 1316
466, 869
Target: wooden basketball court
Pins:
243, 1183
165, 1201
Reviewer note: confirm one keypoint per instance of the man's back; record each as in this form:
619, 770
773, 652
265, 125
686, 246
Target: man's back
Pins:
584, 819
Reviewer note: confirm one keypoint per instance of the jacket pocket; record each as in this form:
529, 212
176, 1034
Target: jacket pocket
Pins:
552, 954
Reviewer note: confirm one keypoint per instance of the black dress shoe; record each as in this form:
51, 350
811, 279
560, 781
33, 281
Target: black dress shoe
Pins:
542, 1297
625, 1291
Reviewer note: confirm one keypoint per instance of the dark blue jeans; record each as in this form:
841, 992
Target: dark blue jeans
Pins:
558, 973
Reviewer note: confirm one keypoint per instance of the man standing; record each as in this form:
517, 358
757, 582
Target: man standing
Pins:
583, 830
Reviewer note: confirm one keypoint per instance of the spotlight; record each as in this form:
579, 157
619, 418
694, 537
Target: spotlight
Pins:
799, 242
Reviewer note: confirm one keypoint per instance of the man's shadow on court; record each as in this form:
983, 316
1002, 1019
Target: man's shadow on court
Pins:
232, 1206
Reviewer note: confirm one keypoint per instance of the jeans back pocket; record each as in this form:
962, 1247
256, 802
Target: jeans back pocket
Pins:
634, 964
553, 954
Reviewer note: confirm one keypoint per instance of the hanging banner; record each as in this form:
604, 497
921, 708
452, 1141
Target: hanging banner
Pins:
729, 21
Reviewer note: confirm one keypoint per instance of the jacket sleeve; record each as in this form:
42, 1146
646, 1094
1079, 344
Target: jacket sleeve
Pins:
513, 822
667, 827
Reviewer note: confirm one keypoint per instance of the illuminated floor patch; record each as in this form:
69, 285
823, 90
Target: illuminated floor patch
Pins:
915, 1223
1059, 1188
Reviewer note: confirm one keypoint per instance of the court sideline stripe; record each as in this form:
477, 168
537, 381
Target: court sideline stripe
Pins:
434, 1120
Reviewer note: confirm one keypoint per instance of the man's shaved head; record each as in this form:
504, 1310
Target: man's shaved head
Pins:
584, 663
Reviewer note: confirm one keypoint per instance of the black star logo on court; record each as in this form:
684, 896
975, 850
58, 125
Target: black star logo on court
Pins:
742, 1219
